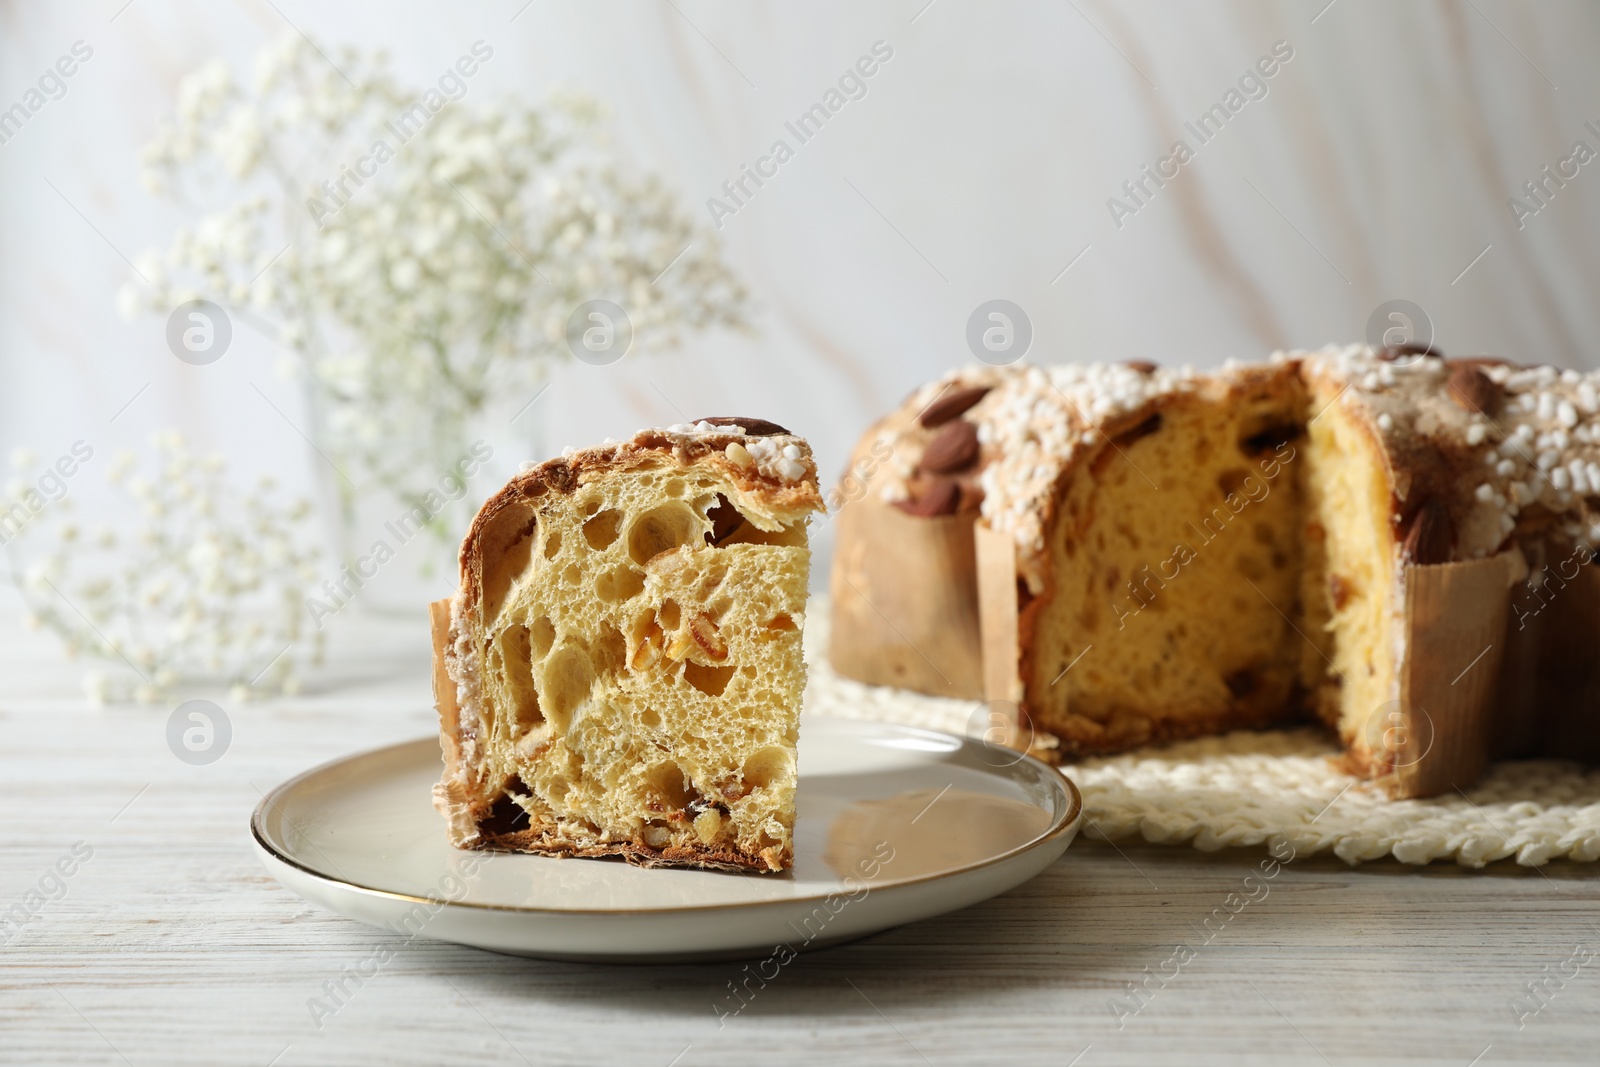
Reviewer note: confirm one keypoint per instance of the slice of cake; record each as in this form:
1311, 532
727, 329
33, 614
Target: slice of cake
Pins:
1160, 553
1174, 555
622, 670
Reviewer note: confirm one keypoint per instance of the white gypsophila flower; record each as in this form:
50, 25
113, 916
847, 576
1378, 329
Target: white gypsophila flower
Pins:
239, 142
205, 591
420, 284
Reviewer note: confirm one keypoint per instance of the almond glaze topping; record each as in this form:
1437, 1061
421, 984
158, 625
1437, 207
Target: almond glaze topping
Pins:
1428, 540
941, 497
1143, 366
952, 449
1473, 390
950, 405
753, 427
1390, 353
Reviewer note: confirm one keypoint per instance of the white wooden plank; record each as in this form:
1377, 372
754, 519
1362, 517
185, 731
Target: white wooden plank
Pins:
176, 947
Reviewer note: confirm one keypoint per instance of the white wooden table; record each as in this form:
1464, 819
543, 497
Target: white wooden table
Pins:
171, 945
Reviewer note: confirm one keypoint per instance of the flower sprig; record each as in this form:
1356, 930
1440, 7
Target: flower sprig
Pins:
194, 584
419, 295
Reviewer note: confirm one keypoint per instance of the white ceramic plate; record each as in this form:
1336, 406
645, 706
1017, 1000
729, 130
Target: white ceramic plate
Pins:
894, 824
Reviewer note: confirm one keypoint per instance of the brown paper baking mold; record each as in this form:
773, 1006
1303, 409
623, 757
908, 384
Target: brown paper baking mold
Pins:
905, 601
1442, 735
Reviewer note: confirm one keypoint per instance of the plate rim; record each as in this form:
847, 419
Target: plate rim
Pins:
1067, 822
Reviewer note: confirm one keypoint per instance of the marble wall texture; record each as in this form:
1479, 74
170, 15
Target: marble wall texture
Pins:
987, 159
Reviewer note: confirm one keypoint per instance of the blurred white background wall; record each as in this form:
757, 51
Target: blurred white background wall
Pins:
1376, 166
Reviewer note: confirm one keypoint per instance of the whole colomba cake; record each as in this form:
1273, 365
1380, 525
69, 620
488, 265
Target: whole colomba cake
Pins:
1127, 554
620, 672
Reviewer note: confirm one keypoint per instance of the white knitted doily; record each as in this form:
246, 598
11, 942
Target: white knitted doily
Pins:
1249, 788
